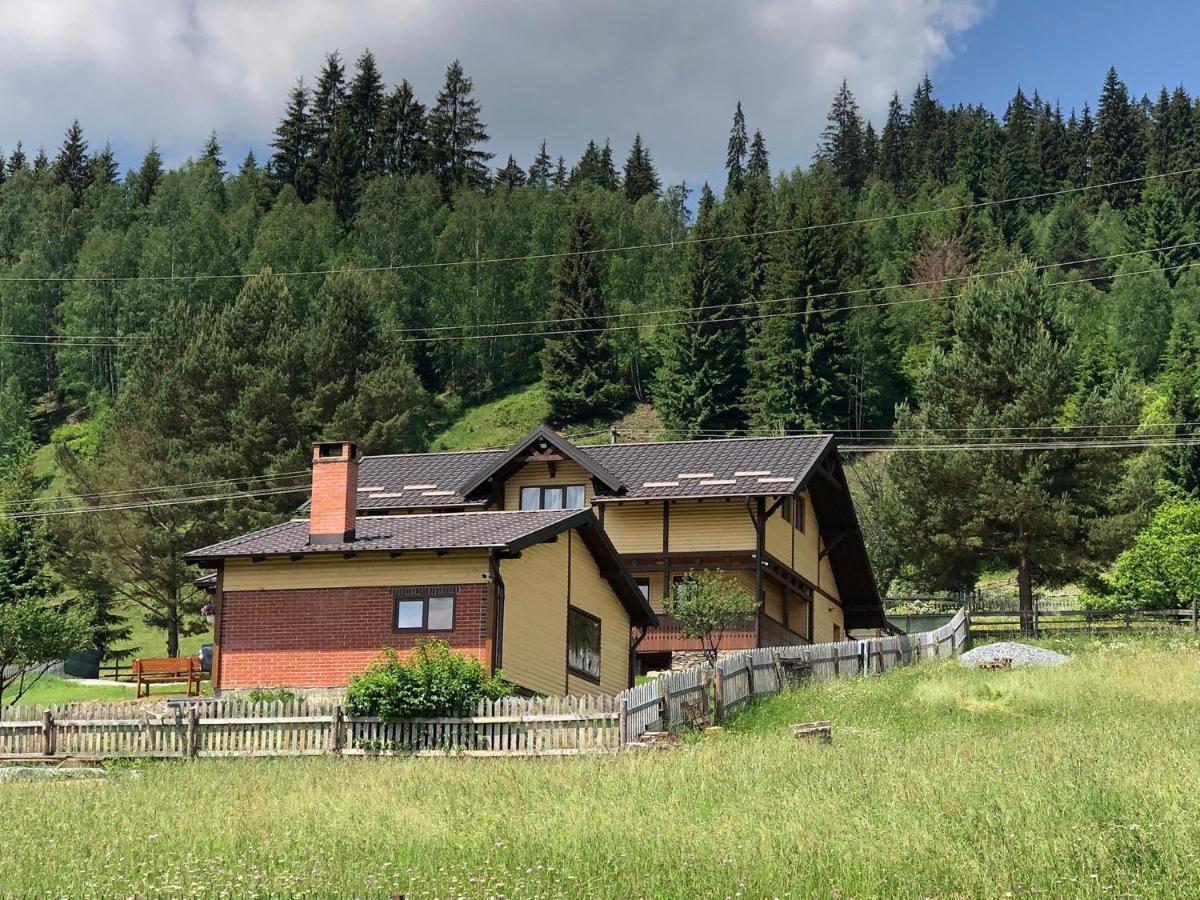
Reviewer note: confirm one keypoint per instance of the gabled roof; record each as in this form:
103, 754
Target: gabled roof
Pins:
510, 531
540, 437
421, 480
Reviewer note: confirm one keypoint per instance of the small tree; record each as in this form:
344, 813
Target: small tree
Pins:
1160, 570
706, 603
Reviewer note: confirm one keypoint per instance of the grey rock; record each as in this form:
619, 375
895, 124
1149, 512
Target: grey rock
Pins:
1022, 655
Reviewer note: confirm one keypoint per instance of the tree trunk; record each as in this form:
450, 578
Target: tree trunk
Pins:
173, 629
1025, 591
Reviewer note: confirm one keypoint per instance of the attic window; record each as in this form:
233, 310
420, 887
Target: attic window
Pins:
567, 496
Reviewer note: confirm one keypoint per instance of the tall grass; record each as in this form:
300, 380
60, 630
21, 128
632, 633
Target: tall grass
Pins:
1076, 781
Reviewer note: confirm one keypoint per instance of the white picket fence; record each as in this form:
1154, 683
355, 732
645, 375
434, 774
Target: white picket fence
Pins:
511, 726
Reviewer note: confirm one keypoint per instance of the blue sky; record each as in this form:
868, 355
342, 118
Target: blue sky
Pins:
172, 70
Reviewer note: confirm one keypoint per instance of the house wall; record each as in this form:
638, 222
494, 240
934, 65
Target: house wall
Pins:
334, 571
635, 527
537, 590
565, 473
319, 637
708, 525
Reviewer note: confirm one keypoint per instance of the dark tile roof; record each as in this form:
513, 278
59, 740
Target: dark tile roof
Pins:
422, 480
430, 531
731, 467
728, 467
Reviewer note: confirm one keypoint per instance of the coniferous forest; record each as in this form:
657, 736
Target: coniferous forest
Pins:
1009, 299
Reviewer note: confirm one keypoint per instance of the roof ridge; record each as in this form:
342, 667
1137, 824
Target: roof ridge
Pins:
749, 437
435, 453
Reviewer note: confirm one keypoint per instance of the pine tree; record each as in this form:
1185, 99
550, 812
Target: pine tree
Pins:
579, 366
735, 153
41, 164
104, 169
213, 154
640, 178
1080, 133
842, 140
539, 171
365, 105
1118, 148
455, 133
759, 165
1159, 228
892, 145
402, 145
339, 177
926, 137
292, 161
702, 374
71, 165
607, 171
512, 176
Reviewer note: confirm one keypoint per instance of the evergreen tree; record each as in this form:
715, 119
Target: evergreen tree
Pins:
735, 153
41, 164
511, 176
1118, 148
213, 155
640, 178
560, 174
1080, 134
608, 177
1180, 385
329, 96
402, 145
892, 145
455, 133
339, 177
702, 374
1159, 228
71, 166
104, 166
148, 176
365, 107
539, 171
759, 165
292, 161
579, 365
926, 137
17, 162
842, 140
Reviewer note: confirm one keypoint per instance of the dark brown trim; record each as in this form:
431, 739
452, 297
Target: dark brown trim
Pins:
423, 594
579, 673
218, 608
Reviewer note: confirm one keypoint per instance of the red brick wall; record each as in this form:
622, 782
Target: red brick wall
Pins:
319, 637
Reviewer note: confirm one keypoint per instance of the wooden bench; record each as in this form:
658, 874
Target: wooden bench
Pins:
167, 670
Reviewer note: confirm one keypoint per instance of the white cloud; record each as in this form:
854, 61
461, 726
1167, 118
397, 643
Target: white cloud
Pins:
136, 70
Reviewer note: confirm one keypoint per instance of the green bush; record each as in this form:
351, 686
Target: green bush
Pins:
1161, 569
435, 681
271, 695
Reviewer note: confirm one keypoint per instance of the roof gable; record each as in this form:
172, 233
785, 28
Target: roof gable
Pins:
541, 443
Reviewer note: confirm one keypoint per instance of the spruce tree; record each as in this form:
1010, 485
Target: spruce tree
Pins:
1159, 227
539, 171
842, 140
71, 166
512, 176
640, 178
579, 364
17, 161
104, 166
1180, 386
759, 165
702, 374
402, 147
149, 174
456, 133
339, 177
213, 155
561, 178
365, 106
1118, 149
329, 96
735, 153
292, 161
892, 145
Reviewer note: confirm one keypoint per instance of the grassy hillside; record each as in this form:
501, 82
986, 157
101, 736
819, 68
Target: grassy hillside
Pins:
1079, 781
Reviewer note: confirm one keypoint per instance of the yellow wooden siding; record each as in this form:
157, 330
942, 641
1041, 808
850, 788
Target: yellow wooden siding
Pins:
534, 653
711, 525
539, 474
826, 581
634, 527
807, 543
333, 571
797, 613
656, 588
772, 600
826, 614
593, 593
778, 537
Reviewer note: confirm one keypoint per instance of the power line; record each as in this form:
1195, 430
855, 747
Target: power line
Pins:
151, 504
654, 245
163, 488
819, 296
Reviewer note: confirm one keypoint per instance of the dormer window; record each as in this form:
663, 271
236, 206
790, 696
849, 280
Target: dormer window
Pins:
567, 496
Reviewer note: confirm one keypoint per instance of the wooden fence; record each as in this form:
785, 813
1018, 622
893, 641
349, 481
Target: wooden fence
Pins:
1043, 621
740, 677
512, 726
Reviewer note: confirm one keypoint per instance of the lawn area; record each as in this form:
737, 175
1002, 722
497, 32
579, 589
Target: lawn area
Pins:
51, 690
1078, 781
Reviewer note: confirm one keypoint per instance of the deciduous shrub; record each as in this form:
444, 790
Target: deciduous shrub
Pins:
434, 681
1162, 568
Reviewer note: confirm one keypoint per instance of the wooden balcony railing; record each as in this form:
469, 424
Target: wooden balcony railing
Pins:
669, 636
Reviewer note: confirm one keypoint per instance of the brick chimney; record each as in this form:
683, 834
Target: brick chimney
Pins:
334, 493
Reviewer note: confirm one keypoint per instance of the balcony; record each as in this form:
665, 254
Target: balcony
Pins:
668, 636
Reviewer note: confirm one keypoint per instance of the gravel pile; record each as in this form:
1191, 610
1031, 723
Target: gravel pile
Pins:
1020, 654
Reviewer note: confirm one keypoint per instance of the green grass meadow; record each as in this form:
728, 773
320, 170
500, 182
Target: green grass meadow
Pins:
941, 782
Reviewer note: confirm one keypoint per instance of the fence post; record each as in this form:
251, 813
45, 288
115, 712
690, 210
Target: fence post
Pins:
1195, 615
778, 671
622, 719
718, 696
335, 731
749, 675
193, 734
704, 698
47, 733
